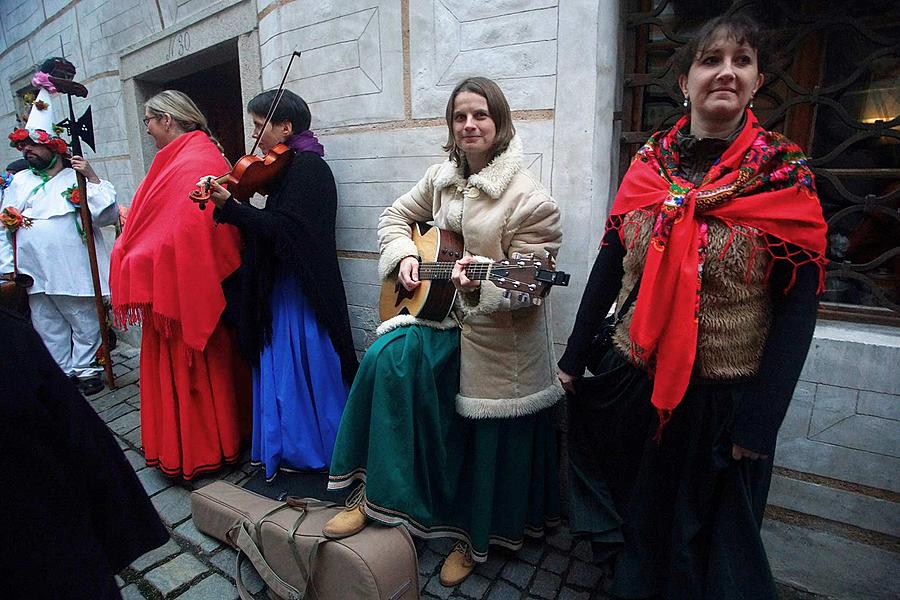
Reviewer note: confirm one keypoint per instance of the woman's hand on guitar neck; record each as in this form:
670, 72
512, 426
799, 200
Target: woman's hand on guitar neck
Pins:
463, 283
408, 273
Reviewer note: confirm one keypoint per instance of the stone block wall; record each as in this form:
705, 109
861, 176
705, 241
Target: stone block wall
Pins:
377, 74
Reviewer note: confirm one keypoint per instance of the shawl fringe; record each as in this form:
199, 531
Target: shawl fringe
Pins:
128, 315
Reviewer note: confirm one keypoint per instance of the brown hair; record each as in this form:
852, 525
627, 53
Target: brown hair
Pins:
498, 108
741, 28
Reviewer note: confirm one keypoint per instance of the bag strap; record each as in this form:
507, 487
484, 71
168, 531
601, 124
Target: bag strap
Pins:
247, 548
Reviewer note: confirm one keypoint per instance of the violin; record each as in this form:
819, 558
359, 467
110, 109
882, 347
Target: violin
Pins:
251, 174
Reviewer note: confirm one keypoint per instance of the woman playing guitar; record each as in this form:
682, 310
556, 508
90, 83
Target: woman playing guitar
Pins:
448, 422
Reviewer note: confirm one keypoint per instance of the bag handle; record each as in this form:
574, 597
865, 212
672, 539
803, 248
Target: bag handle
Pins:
247, 548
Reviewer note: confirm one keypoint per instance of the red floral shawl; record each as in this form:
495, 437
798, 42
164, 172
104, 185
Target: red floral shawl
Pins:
761, 181
171, 258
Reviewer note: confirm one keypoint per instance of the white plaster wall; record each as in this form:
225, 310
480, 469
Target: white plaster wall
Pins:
379, 108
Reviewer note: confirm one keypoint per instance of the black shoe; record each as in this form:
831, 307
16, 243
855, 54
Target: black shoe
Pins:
90, 386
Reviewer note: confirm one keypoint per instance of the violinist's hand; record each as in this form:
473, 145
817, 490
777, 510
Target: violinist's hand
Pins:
80, 164
566, 381
738, 453
458, 276
408, 273
217, 194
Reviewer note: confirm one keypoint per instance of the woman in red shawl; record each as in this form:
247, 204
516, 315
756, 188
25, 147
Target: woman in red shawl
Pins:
166, 272
714, 249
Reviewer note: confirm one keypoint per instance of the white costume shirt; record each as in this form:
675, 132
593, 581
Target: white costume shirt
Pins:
51, 250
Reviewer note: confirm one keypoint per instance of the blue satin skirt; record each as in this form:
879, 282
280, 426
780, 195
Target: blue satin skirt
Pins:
298, 392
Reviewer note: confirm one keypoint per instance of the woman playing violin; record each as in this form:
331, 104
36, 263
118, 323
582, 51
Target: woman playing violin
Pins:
293, 321
167, 271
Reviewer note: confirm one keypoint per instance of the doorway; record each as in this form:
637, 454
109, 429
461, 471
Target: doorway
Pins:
211, 79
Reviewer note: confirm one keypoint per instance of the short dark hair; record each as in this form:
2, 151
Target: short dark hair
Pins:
739, 27
291, 107
498, 107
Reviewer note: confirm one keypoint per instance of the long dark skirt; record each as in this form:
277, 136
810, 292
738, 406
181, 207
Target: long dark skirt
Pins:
680, 519
481, 481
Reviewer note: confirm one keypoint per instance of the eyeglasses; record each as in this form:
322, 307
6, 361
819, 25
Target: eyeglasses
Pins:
146, 120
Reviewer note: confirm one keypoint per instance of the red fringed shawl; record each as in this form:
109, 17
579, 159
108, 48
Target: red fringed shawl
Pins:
761, 181
171, 259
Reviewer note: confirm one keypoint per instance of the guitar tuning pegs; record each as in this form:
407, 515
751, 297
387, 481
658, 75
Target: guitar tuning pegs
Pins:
537, 301
523, 298
516, 255
507, 294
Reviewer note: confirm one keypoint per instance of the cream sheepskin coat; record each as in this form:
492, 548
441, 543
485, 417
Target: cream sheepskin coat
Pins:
507, 365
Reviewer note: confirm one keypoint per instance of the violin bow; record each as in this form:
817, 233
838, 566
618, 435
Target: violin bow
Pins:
276, 100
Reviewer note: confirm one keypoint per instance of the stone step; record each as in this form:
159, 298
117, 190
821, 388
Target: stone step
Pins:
830, 565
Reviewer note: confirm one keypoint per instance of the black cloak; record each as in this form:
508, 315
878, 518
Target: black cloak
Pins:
295, 232
74, 512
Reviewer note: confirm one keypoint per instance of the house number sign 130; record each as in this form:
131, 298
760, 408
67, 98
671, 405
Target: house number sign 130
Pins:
179, 45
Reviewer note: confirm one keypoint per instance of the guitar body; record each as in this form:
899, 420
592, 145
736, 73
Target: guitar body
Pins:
434, 298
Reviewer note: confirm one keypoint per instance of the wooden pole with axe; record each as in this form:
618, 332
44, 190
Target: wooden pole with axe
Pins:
82, 129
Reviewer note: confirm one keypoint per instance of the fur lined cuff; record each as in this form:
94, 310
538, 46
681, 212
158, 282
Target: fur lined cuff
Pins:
395, 251
487, 299
501, 408
405, 320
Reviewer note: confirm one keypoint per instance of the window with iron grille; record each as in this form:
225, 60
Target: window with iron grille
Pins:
832, 84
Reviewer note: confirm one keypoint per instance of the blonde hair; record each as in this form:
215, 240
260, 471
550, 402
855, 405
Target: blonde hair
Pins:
183, 111
498, 108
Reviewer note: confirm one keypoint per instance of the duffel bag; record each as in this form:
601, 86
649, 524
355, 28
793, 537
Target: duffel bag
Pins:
284, 542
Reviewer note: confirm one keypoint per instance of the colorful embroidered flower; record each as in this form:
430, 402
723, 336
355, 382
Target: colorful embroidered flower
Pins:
5, 180
41, 105
12, 219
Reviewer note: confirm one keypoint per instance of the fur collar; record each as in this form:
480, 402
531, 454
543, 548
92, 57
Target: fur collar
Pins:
493, 179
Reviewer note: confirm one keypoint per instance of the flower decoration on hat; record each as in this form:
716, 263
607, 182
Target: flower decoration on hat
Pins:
40, 128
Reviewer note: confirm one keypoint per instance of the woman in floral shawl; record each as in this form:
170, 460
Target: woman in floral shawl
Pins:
718, 230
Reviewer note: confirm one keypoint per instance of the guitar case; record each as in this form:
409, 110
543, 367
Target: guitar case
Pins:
284, 542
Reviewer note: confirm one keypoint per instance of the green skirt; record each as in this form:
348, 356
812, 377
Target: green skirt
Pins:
481, 481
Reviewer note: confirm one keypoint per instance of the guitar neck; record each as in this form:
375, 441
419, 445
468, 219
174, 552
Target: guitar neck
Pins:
443, 270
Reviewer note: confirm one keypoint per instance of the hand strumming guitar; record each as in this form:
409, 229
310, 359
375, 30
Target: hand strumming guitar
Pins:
408, 273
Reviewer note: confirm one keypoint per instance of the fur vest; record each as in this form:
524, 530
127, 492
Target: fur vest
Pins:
506, 351
735, 306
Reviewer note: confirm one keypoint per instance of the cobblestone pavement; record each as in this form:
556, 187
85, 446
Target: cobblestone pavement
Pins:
193, 566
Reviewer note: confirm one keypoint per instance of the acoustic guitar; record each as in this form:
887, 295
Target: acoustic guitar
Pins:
527, 278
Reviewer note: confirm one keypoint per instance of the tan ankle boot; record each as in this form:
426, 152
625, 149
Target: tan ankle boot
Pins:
457, 566
349, 521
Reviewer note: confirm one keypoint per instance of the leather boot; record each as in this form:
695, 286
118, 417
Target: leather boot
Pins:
349, 521
457, 566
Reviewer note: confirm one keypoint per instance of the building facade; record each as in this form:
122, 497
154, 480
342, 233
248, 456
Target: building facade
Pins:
587, 80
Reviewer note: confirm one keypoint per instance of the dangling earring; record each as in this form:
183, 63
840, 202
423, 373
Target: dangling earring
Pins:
686, 102
751, 102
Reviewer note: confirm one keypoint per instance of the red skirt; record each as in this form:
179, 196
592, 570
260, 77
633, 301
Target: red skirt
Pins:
195, 407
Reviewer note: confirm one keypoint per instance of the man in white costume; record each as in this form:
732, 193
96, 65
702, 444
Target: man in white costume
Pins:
49, 245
